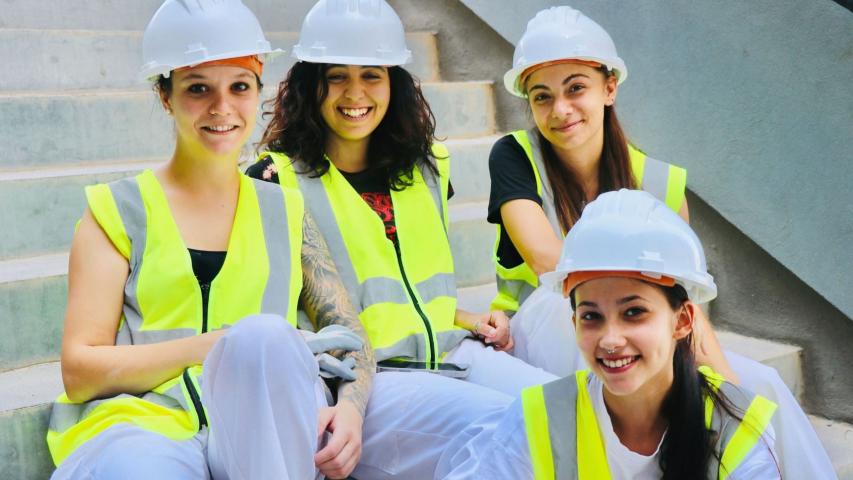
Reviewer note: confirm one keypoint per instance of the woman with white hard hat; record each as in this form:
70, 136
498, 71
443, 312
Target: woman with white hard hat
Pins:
351, 129
567, 68
180, 357
633, 271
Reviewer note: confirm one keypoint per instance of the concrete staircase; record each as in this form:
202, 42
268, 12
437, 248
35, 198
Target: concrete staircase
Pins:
74, 115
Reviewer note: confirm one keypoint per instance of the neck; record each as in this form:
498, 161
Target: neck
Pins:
637, 418
584, 161
348, 155
200, 171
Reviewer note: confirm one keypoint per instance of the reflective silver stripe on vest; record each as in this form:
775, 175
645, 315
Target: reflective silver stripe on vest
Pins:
438, 285
655, 178
446, 341
518, 289
433, 182
547, 192
277, 239
561, 406
725, 426
66, 415
377, 289
131, 209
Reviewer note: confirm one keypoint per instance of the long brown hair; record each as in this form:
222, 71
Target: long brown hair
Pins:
614, 171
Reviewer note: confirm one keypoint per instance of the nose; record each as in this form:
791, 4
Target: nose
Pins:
612, 339
562, 108
354, 90
220, 104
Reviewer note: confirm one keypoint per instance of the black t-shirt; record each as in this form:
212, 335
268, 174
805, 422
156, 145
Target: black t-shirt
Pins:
372, 189
512, 179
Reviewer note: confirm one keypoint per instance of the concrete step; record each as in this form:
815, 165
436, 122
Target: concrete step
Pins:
786, 359
33, 290
837, 438
95, 126
89, 59
469, 168
32, 306
45, 204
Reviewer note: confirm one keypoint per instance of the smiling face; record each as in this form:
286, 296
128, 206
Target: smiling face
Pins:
567, 101
356, 101
214, 107
633, 320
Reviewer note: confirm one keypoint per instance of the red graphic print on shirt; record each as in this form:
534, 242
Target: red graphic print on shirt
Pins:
381, 204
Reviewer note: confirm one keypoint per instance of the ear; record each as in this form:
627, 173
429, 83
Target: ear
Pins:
164, 100
684, 318
574, 320
611, 88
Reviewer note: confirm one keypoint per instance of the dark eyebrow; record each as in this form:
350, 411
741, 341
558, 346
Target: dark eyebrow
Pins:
538, 85
198, 76
572, 76
587, 303
629, 298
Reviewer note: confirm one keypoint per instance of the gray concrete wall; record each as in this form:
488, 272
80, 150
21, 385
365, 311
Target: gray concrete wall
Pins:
771, 302
754, 99
470, 50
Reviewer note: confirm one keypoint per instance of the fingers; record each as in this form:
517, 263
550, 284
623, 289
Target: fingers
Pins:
324, 418
340, 456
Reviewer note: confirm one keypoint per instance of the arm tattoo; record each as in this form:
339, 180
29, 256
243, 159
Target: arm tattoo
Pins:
327, 302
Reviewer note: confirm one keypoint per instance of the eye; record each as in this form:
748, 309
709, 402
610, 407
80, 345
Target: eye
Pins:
633, 312
197, 88
240, 87
576, 87
335, 77
541, 98
589, 316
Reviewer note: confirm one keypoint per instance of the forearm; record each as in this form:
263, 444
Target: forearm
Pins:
93, 371
465, 319
327, 302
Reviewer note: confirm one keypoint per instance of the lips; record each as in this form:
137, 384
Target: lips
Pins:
618, 364
567, 127
219, 129
355, 113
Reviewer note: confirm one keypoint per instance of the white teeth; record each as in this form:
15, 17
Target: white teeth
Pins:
618, 363
221, 128
354, 112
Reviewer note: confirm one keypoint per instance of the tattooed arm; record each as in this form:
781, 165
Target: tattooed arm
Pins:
327, 302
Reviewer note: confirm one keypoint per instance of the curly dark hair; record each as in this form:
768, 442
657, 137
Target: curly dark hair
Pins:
402, 139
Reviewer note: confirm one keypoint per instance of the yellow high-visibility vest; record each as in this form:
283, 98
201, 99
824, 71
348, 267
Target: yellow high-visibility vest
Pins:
406, 300
666, 182
566, 444
262, 273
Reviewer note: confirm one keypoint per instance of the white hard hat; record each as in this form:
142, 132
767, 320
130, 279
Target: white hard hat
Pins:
352, 32
183, 33
562, 33
632, 231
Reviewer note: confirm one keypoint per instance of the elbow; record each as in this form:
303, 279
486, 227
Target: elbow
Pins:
542, 263
78, 386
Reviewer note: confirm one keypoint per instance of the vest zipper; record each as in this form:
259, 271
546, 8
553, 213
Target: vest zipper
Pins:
417, 305
205, 298
199, 409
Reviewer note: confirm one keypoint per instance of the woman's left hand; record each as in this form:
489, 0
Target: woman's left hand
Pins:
343, 450
493, 327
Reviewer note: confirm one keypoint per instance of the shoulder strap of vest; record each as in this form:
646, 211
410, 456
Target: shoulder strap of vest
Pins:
104, 210
523, 139
736, 437
284, 167
442, 163
665, 181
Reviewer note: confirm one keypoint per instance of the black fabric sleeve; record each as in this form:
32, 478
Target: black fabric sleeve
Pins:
512, 176
263, 170
512, 179
449, 190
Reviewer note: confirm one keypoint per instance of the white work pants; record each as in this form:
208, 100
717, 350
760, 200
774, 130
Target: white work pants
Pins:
262, 393
497, 370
